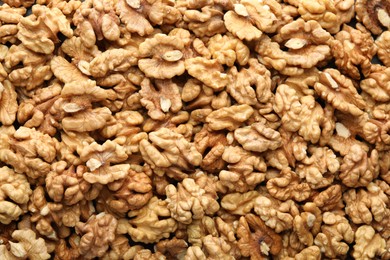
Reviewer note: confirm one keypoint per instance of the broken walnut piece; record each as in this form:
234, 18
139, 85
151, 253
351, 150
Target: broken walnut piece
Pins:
368, 243
239, 203
229, 118
149, 224
96, 234
161, 56
377, 85
308, 223
383, 43
374, 14
8, 103
256, 239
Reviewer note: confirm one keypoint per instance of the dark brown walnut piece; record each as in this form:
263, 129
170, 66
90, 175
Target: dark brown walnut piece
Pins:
374, 14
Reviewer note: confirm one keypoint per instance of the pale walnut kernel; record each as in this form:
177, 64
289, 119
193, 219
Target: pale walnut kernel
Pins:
8, 103
368, 243
239, 203
229, 117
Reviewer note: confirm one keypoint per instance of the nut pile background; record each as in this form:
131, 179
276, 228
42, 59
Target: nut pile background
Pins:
210, 129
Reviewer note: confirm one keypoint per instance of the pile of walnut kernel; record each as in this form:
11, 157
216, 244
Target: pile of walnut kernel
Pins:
194, 129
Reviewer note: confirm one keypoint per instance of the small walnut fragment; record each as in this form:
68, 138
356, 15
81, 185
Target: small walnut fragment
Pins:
256, 239
308, 223
96, 234
383, 43
8, 103
229, 118
377, 85
150, 223
239, 203
228, 50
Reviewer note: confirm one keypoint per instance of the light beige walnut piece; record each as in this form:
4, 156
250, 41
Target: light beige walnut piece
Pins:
318, 169
330, 14
9, 18
35, 70
160, 98
208, 71
256, 239
258, 138
377, 84
330, 198
288, 186
161, 57
67, 7
227, 50
251, 18
383, 43
308, 223
98, 158
366, 205
96, 20
229, 118
96, 234
368, 243
188, 201
239, 203
67, 186
302, 113
177, 151
336, 233
306, 42
81, 55
8, 103
353, 50
250, 85
27, 247
199, 229
149, 224
358, 167
340, 92
14, 194
38, 32
245, 170
28, 151
373, 14
276, 214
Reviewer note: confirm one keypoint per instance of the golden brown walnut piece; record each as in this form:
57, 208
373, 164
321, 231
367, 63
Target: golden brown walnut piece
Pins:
383, 43
258, 138
132, 192
251, 18
188, 201
161, 57
174, 248
340, 92
245, 170
208, 71
288, 186
8, 103
358, 167
276, 214
96, 234
308, 223
330, 198
176, 150
319, 169
336, 233
77, 99
306, 43
160, 98
368, 243
96, 20
229, 118
239, 203
256, 239
35, 70
374, 14
302, 113
27, 247
67, 186
148, 224
120, 249
377, 84
227, 50
19, 3
365, 206
14, 194
330, 14
80, 54
38, 32
9, 18
28, 151
98, 158
250, 85
353, 50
